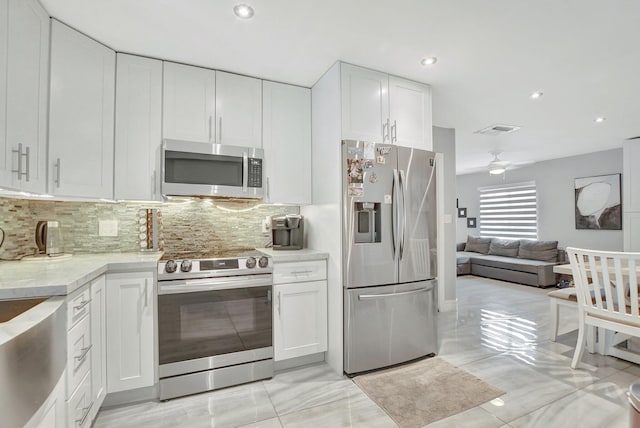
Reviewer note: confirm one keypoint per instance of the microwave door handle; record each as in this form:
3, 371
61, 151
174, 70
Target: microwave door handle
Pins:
245, 172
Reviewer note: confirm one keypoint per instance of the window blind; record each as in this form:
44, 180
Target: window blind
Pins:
509, 211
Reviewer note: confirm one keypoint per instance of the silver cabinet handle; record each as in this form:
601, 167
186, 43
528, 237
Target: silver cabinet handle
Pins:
82, 305
220, 130
83, 353
301, 272
57, 167
210, 125
85, 413
153, 184
394, 132
20, 156
384, 132
279, 303
146, 292
402, 293
27, 153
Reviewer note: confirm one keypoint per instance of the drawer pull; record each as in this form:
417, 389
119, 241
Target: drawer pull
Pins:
301, 272
85, 413
82, 305
84, 352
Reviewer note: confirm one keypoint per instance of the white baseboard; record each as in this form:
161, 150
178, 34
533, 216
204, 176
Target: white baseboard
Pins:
449, 306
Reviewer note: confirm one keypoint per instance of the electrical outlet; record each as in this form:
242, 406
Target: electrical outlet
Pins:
266, 225
108, 228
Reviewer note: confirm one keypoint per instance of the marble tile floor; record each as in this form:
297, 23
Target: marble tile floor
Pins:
499, 333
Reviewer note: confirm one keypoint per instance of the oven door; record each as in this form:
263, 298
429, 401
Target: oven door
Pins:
203, 169
215, 322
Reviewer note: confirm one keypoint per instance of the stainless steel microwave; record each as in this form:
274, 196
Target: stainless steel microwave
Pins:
204, 169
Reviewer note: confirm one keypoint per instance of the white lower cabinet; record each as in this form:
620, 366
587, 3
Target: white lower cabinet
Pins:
130, 331
85, 373
300, 309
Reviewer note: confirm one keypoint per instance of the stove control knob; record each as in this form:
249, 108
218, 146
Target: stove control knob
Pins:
251, 262
263, 262
186, 266
171, 266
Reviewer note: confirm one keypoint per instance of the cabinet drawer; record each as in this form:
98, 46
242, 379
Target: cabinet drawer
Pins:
80, 404
314, 270
78, 353
78, 305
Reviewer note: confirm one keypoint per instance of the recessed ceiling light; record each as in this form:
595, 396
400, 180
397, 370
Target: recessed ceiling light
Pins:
536, 95
599, 119
430, 60
243, 11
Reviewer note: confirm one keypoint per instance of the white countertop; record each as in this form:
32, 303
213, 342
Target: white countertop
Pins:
21, 279
294, 255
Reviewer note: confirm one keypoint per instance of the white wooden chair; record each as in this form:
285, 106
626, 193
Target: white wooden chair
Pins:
607, 291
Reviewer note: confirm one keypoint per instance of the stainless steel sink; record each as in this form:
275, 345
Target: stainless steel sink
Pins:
32, 355
9, 309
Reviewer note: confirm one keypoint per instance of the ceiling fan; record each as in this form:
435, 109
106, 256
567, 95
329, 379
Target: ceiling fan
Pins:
497, 166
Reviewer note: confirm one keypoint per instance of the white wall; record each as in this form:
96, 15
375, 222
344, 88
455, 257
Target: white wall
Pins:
555, 188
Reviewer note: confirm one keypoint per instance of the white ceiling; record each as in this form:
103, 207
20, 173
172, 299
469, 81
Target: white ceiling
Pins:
583, 54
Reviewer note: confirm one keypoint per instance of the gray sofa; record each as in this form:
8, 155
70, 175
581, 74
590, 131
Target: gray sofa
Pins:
523, 261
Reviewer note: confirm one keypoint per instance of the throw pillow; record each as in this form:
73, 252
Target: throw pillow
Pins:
546, 251
504, 247
477, 244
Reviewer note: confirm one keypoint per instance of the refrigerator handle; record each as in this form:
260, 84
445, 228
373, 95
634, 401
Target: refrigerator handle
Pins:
403, 232
394, 211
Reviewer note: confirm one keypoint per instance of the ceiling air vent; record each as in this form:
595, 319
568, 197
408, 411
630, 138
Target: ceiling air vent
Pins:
497, 129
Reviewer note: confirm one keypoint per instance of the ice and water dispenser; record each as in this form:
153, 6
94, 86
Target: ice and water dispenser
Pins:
367, 218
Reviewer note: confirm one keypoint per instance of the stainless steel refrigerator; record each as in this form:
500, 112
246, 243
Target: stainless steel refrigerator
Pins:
389, 250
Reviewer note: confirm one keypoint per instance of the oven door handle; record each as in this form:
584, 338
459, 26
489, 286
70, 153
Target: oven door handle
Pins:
214, 284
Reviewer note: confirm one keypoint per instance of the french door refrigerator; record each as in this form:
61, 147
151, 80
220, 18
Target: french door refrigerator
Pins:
389, 251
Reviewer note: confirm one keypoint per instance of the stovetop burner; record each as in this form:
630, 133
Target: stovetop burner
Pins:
227, 253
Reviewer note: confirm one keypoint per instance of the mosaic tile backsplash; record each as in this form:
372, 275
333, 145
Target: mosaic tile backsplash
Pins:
188, 224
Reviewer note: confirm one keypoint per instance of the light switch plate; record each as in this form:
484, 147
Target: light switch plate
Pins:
108, 228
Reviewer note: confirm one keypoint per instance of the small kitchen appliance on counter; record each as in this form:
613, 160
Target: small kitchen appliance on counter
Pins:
287, 232
49, 238
214, 320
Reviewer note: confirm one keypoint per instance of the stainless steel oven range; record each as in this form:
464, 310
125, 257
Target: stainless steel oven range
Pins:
214, 321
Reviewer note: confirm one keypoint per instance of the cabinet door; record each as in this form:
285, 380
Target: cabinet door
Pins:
410, 112
238, 110
24, 60
365, 104
81, 115
99, 344
286, 127
631, 231
130, 332
300, 319
189, 103
138, 128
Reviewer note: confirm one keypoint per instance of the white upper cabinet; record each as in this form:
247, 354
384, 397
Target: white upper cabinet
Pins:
385, 109
238, 110
24, 67
286, 128
365, 104
410, 113
81, 118
138, 128
189, 103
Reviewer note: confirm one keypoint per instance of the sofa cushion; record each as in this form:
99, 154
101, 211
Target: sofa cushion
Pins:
463, 257
477, 245
510, 263
504, 247
539, 250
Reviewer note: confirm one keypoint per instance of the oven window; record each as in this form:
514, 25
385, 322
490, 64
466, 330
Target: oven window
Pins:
205, 324
194, 168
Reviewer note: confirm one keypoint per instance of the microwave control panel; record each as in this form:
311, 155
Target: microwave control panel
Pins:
255, 173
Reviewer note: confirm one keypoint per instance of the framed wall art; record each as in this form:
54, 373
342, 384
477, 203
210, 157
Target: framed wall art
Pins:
598, 203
